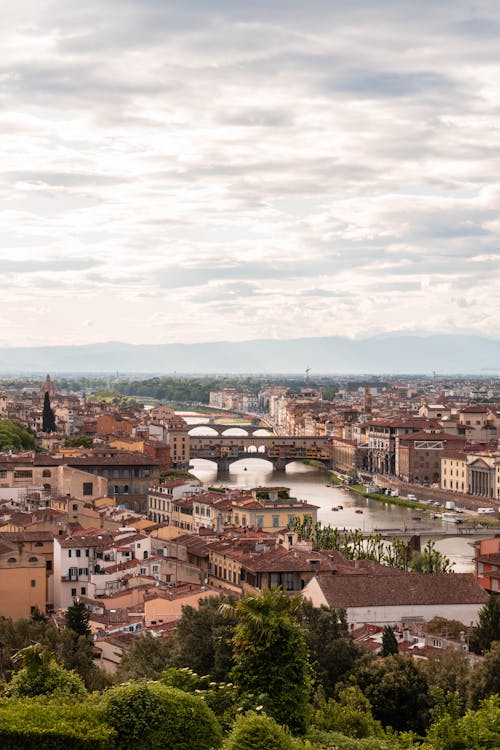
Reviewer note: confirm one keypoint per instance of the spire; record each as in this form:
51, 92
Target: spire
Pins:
48, 387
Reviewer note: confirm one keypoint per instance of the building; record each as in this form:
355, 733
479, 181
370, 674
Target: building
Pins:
401, 598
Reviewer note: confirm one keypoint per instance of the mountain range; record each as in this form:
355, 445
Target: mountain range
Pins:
386, 354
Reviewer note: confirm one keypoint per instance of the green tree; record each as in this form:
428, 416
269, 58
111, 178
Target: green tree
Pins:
450, 672
77, 618
398, 692
389, 642
487, 629
203, 638
151, 716
485, 677
15, 437
429, 560
332, 652
270, 655
477, 730
146, 658
351, 715
48, 417
256, 732
83, 441
42, 675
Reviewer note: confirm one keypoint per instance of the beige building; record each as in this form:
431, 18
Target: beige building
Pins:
23, 581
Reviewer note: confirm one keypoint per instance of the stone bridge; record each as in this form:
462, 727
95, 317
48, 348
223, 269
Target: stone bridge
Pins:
279, 450
250, 429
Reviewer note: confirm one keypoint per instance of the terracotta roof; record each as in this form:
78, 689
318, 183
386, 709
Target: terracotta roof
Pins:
406, 589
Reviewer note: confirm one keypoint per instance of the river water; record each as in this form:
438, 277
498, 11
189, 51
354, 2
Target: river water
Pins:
309, 483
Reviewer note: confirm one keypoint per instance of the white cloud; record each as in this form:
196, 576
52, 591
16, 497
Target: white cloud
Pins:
240, 170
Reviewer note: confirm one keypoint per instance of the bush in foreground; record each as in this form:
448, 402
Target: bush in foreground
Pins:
151, 716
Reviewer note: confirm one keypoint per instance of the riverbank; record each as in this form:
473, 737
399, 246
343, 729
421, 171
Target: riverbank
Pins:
359, 489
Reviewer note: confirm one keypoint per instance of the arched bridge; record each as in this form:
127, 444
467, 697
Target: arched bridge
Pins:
279, 450
250, 429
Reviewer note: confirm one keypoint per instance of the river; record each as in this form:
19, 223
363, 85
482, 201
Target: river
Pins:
309, 483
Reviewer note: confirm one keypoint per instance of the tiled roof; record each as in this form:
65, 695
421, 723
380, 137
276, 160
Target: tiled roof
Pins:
407, 589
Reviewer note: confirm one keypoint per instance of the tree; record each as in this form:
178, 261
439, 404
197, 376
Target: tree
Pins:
351, 715
389, 642
487, 629
203, 638
485, 678
450, 672
332, 652
84, 441
146, 658
258, 732
477, 730
42, 675
431, 561
270, 656
15, 437
151, 716
77, 618
48, 417
398, 692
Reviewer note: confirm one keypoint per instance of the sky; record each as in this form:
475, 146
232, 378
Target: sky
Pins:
213, 170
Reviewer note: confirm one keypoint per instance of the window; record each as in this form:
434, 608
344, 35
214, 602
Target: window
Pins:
74, 506
260, 522
73, 593
88, 488
23, 474
83, 590
78, 552
276, 522
46, 473
33, 583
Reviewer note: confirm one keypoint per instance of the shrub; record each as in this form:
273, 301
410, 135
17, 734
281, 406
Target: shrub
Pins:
39, 724
151, 716
255, 732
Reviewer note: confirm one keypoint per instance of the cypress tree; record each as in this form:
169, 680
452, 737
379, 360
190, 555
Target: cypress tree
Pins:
48, 418
389, 642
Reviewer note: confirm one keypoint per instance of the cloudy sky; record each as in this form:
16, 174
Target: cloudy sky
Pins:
216, 169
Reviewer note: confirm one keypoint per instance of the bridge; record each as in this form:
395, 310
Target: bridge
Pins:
412, 530
279, 450
250, 429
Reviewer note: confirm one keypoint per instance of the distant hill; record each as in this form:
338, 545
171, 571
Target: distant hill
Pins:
391, 353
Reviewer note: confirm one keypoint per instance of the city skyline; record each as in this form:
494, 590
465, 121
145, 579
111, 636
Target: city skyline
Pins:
229, 171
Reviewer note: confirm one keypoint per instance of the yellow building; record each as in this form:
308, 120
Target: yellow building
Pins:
22, 582
271, 509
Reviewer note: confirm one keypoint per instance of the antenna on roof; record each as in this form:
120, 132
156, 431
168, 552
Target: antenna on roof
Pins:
308, 370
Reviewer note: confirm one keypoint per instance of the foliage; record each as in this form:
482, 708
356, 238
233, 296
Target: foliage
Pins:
256, 732
270, 656
42, 675
449, 672
77, 618
14, 437
477, 730
35, 724
487, 629
389, 642
166, 476
145, 659
354, 545
429, 560
351, 715
332, 653
203, 639
398, 692
80, 441
151, 716
73, 652
485, 678
221, 697
446, 628
48, 417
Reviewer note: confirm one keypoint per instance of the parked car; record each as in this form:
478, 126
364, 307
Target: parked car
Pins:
411, 496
